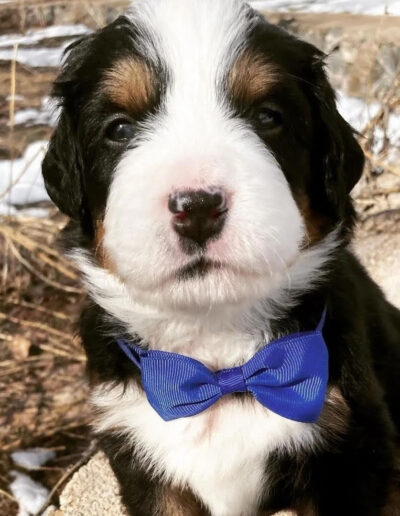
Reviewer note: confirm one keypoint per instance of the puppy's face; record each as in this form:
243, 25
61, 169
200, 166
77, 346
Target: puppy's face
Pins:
200, 151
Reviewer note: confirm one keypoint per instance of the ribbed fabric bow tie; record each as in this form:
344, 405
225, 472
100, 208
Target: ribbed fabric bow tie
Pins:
288, 376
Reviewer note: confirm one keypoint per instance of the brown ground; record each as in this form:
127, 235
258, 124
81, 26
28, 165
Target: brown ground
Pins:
42, 386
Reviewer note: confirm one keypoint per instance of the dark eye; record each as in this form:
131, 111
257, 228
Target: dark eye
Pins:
267, 118
120, 130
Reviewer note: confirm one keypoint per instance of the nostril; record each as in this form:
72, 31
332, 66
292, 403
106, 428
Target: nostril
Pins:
216, 213
180, 215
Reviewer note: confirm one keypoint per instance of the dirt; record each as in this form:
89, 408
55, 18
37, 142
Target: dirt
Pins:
352, 22
380, 253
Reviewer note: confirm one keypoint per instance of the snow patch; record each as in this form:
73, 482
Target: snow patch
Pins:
358, 113
32, 458
371, 7
30, 494
15, 97
26, 172
34, 36
47, 114
36, 57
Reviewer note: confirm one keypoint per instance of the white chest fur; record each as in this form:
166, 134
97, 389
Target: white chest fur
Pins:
221, 453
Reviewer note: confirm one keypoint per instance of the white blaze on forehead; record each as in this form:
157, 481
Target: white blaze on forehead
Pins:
196, 40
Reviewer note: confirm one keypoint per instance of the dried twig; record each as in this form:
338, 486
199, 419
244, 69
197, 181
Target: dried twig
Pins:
36, 325
70, 471
5, 336
45, 279
387, 104
60, 268
379, 163
8, 495
61, 353
58, 315
31, 245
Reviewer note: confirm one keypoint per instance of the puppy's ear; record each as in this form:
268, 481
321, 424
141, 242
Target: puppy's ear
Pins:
62, 166
336, 152
62, 169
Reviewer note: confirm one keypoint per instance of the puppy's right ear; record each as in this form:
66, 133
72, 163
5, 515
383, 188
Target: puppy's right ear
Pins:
62, 166
62, 170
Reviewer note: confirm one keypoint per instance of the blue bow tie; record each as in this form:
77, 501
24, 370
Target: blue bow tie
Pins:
288, 376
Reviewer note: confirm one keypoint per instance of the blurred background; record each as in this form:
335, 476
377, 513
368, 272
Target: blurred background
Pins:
44, 418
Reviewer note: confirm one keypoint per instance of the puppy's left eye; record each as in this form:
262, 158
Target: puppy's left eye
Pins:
121, 131
267, 118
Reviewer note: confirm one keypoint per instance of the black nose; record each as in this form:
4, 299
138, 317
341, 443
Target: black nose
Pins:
199, 215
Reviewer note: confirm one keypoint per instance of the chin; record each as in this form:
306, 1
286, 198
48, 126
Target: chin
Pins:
205, 286
207, 173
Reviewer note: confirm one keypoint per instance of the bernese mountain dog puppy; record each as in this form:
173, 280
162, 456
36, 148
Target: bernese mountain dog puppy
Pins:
207, 174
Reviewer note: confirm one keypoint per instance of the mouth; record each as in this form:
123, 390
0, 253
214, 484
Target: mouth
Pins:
197, 268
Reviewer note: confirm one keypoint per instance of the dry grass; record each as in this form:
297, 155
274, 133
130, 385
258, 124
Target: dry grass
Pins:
42, 387
23, 14
378, 196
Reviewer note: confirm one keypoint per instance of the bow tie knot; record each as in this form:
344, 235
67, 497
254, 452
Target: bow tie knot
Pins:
288, 376
231, 380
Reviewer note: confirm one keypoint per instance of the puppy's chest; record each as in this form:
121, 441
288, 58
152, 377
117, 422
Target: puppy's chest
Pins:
220, 454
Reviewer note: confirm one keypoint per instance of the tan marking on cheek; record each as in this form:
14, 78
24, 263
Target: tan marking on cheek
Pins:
316, 224
306, 509
176, 502
251, 78
131, 85
392, 507
100, 253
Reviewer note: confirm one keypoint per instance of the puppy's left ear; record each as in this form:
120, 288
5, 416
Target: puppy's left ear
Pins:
336, 152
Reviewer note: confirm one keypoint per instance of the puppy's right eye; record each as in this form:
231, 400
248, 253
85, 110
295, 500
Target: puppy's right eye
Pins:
121, 131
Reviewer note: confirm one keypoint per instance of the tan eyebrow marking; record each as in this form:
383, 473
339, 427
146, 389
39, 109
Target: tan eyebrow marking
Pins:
178, 502
131, 84
251, 77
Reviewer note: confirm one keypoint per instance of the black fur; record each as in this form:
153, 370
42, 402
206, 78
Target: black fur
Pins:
348, 476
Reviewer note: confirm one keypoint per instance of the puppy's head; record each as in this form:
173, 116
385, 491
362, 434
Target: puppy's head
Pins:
199, 151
